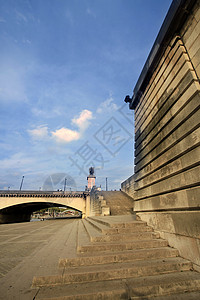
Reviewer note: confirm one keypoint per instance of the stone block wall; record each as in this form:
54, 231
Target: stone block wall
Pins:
128, 186
166, 183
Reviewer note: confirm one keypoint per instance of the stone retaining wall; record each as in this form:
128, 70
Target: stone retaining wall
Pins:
166, 183
128, 186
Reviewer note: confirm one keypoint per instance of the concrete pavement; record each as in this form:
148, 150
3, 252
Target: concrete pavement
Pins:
29, 249
113, 257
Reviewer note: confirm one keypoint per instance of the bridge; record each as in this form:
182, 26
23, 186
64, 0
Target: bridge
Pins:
17, 206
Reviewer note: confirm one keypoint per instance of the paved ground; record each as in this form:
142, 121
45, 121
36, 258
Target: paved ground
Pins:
27, 249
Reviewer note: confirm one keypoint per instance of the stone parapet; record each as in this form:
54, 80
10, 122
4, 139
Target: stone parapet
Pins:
127, 186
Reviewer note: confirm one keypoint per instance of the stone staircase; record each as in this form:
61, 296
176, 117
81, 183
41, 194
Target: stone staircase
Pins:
118, 202
119, 257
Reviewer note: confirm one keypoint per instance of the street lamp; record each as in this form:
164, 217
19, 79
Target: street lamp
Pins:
21, 183
65, 184
106, 183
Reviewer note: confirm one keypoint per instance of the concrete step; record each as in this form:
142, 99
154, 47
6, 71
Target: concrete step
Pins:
118, 209
176, 283
182, 296
91, 230
96, 230
114, 271
110, 231
104, 229
127, 237
82, 235
98, 226
121, 246
114, 267
119, 218
166, 286
116, 223
134, 229
125, 256
104, 290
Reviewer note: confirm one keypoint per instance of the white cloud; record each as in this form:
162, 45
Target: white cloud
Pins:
39, 133
65, 135
83, 120
107, 106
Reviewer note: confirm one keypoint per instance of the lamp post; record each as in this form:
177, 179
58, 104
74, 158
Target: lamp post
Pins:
106, 183
21, 183
65, 184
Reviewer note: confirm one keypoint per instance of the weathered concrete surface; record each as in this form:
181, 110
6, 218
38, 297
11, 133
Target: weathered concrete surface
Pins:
27, 249
115, 257
181, 229
114, 267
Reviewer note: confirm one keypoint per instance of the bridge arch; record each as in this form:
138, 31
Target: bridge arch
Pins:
18, 206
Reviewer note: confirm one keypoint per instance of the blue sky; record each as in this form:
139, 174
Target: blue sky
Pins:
66, 67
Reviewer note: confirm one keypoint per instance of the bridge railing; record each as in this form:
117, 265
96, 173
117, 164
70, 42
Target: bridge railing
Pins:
13, 193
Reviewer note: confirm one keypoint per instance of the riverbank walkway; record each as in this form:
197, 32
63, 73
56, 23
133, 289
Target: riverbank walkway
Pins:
28, 250
113, 257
